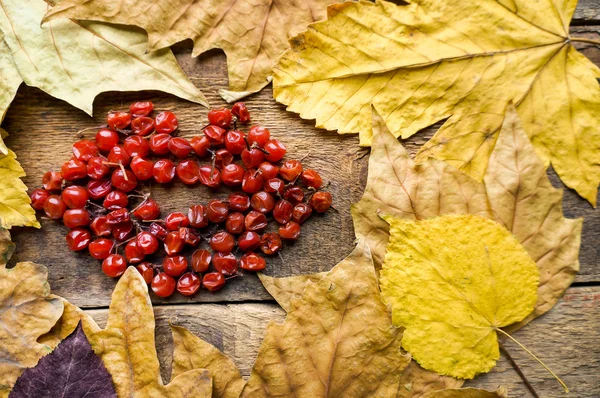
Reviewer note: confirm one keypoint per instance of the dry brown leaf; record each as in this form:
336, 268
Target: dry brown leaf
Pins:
253, 34
337, 340
467, 393
67, 323
191, 352
11, 79
285, 289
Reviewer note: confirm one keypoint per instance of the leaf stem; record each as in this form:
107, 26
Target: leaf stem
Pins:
519, 371
584, 40
534, 357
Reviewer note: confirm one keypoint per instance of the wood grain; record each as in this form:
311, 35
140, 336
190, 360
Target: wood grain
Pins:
587, 12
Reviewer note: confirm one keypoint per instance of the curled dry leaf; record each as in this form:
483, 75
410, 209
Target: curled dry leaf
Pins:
431, 60
75, 61
284, 290
127, 346
191, 352
337, 340
399, 187
467, 393
70, 318
253, 34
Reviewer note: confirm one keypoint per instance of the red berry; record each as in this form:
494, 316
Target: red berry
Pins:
78, 239
225, 263
222, 242
220, 117
73, 169
215, 134
238, 202
52, 181
133, 253
235, 223
166, 122
98, 189
173, 243
268, 170
198, 216
255, 221
159, 144
321, 201
106, 139
275, 149
274, 185
294, 194
217, 211
252, 262
175, 266
141, 108
163, 171
282, 213
118, 216
55, 207
290, 170
189, 236
180, 147
252, 157
163, 285
201, 260
114, 265
75, 197
235, 141
116, 200
188, 284
232, 175
176, 220
270, 243
146, 270
142, 125
290, 231
209, 176
200, 145
125, 181
142, 168
188, 171
122, 231
118, 120
38, 198
136, 146
101, 248
100, 226
301, 212
119, 155
158, 231
148, 210
222, 158
259, 135
262, 201
249, 240
147, 243
252, 181
97, 168
213, 281
84, 150
240, 111
311, 179
74, 218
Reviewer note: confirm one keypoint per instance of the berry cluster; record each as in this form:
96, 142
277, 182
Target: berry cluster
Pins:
94, 191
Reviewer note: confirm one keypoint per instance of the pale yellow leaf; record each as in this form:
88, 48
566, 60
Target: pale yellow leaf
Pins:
467, 393
10, 80
285, 289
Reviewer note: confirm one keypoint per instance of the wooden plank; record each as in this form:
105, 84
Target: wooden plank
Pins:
566, 339
588, 11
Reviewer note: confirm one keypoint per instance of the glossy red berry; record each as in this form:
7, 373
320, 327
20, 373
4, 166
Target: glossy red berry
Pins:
268, 170
275, 149
114, 265
101, 248
235, 223
163, 285
54, 207
201, 145
142, 126
100, 226
118, 120
159, 144
222, 242
222, 158
235, 141
220, 117
252, 262
215, 134
252, 157
142, 168
180, 147
166, 122
240, 111
123, 180
282, 212
252, 181
198, 216
84, 150
73, 169
38, 198
52, 181
255, 221
274, 186
238, 202
232, 175
118, 155
164, 171
136, 146
188, 284
147, 242
270, 243
174, 244
294, 194
133, 253
115, 200
78, 239
146, 270
158, 231
301, 212
225, 263
311, 179
209, 176
148, 210
290, 231
176, 220
290, 170
97, 168
262, 201
321, 201
188, 171
217, 211
122, 231
189, 236
249, 240
259, 135
118, 216
141, 108
201, 260
75, 197
98, 189
213, 281
106, 139
175, 266
74, 218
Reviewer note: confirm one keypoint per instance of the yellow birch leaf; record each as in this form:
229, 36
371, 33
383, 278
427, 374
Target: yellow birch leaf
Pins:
452, 282
428, 61
284, 290
337, 340
467, 393
192, 352
128, 350
253, 34
9, 83
75, 61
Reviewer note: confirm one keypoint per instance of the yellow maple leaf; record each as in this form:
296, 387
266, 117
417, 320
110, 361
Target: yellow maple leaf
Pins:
253, 34
431, 60
453, 282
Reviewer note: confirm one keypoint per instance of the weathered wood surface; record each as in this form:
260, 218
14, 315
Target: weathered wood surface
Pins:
588, 11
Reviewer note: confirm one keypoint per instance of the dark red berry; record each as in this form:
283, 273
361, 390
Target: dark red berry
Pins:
124, 180
225, 263
180, 147
301, 212
146, 270
141, 108
173, 243
290, 170
52, 181
135, 145
116, 200
148, 210
270, 243
282, 212
215, 134
159, 144
220, 117
294, 194
188, 171
252, 157
240, 111
101, 248
201, 260
268, 170
106, 139
176, 220
163, 171
222, 158
118, 216
222, 242
321, 201
54, 207
235, 223
252, 182
74, 218
189, 236
213, 281
198, 216
142, 126
290, 231
84, 150
249, 240
100, 226
78, 239
98, 189
75, 197
118, 155
114, 265
118, 120
311, 179
259, 135
275, 149
122, 231
232, 175
252, 262
217, 211
200, 145
73, 169
175, 266
142, 168
274, 186
158, 231
166, 122
133, 253
188, 284
97, 168
147, 242
38, 198
163, 285
262, 201
235, 141
209, 176
238, 202
255, 221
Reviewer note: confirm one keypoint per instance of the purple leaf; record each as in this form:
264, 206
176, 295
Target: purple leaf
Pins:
71, 370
